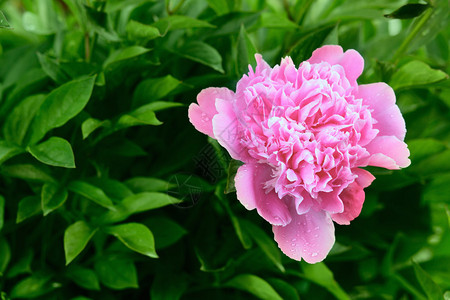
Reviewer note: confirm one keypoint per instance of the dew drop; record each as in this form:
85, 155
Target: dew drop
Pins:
205, 117
314, 254
316, 235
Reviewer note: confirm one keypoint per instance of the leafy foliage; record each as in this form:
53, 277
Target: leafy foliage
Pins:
108, 192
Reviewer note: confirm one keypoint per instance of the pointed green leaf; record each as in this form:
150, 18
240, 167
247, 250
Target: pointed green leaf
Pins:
34, 286
202, 53
124, 54
90, 125
166, 231
27, 172
408, 11
253, 285
61, 105
245, 52
28, 207
55, 151
135, 236
8, 151
141, 32
415, 73
92, 193
76, 237
147, 184
5, 255
18, 121
3, 22
153, 89
52, 197
116, 273
85, 278
432, 290
180, 22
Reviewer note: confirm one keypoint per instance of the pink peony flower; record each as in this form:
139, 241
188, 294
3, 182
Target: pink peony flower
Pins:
303, 134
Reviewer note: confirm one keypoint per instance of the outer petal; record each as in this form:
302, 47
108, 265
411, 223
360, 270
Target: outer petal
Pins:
226, 129
388, 152
381, 98
351, 60
201, 115
353, 197
249, 182
309, 236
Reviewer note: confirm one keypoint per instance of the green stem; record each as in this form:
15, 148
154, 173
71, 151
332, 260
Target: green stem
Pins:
404, 46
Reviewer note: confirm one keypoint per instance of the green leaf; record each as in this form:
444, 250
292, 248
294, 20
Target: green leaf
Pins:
135, 236
34, 286
166, 231
272, 20
7, 151
3, 21
92, 193
286, 291
55, 151
202, 53
27, 172
138, 203
52, 197
124, 54
265, 242
153, 89
90, 125
28, 207
23, 266
61, 105
424, 148
5, 255
112, 188
2, 211
220, 7
180, 22
253, 285
437, 190
116, 273
415, 73
76, 238
83, 277
147, 184
245, 52
309, 42
321, 275
432, 290
141, 32
434, 164
18, 121
52, 68
408, 11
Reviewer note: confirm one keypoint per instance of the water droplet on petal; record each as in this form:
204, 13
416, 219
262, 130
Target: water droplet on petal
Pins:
205, 117
314, 254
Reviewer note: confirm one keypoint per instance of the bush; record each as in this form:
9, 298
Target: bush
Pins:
108, 192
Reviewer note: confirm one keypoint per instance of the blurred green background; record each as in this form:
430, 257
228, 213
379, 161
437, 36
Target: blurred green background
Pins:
108, 192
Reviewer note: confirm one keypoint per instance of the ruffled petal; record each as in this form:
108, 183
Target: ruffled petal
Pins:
353, 197
201, 115
388, 152
309, 236
226, 129
351, 60
381, 98
249, 182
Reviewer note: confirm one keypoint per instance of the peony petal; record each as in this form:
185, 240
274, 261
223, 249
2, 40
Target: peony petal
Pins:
353, 198
249, 182
309, 236
201, 115
351, 60
364, 178
226, 129
388, 152
381, 98
331, 202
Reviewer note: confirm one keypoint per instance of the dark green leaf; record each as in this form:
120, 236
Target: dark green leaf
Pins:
124, 54
5, 255
166, 231
55, 151
52, 68
432, 290
61, 105
76, 238
141, 32
7, 151
90, 125
321, 275
28, 207
92, 193
408, 11
416, 73
424, 148
307, 43
147, 184
272, 20
168, 286
34, 286
135, 236
2, 211
18, 121
284, 289
153, 89
202, 53
179, 22
139, 203
27, 172
220, 7
23, 266
85, 278
246, 51
116, 273
52, 197
253, 285
3, 22
438, 189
